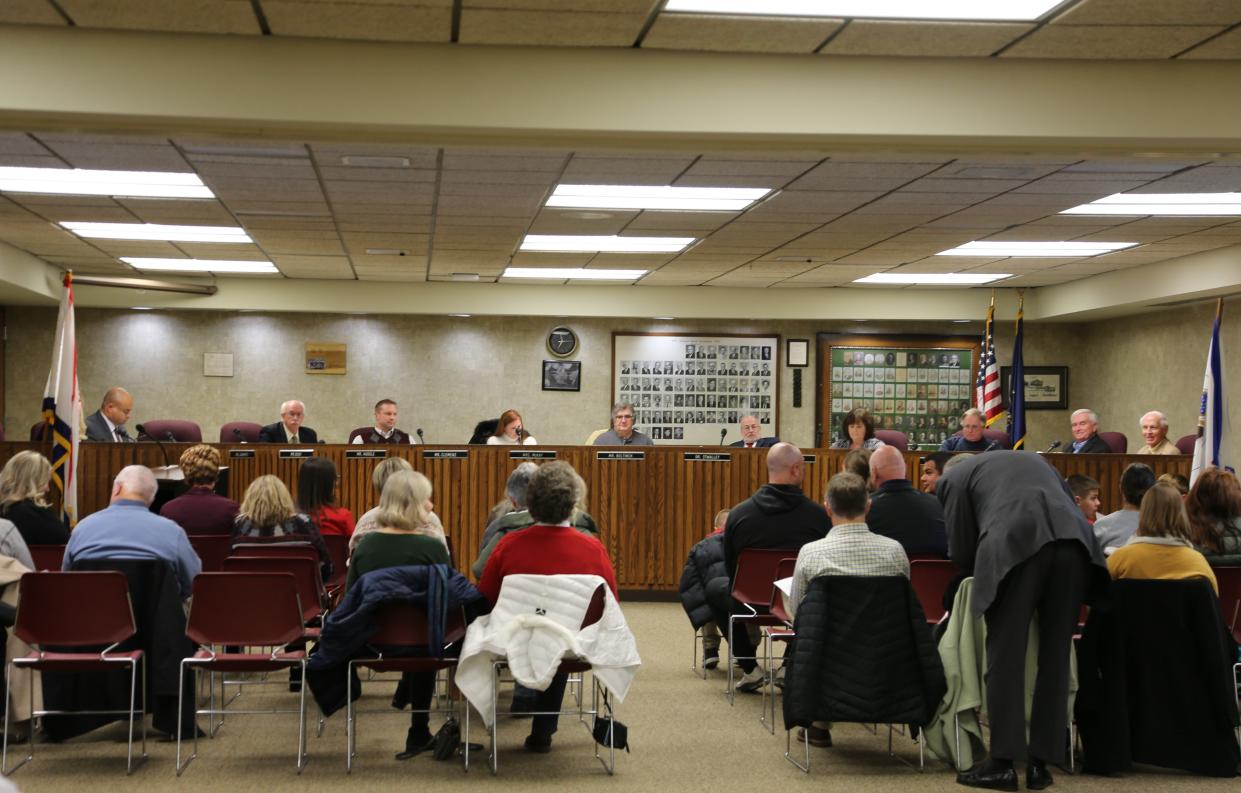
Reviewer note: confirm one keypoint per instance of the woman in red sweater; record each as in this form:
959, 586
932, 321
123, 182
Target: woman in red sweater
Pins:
316, 496
549, 547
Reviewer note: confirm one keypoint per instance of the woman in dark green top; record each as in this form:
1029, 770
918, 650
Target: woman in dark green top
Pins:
402, 539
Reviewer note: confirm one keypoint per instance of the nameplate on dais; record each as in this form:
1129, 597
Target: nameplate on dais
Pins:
242, 454
523, 454
620, 455
446, 454
365, 454
707, 457
295, 454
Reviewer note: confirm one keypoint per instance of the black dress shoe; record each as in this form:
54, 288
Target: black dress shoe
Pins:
1037, 776
989, 778
539, 744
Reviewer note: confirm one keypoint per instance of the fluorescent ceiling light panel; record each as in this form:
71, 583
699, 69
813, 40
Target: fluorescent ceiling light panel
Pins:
933, 279
973, 10
719, 199
122, 184
199, 265
156, 231
575, 273
1201, 204
1058, 250
603, 244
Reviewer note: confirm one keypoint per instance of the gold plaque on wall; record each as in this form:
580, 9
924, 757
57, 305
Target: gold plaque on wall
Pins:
325, 358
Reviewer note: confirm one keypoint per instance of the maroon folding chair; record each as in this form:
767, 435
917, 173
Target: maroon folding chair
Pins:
304, 571
47, 557
756, 570
212, 550
286, 548
402, 627
782, 632
51, 612
243, 610
930, 579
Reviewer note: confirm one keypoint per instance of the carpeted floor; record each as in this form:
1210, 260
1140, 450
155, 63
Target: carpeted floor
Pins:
684, 735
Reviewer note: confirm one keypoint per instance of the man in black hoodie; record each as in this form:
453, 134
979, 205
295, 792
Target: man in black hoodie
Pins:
778, 515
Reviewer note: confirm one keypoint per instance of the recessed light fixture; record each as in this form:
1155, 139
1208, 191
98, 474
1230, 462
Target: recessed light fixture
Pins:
140, 308
961, 321
1201, 204
460, 316
464, 276
973, 10
664, 319
199, 265
603, 244
156, 231
575, 273
596, 196
933, 279
122, 184
372, 161
1059, 250
386, 252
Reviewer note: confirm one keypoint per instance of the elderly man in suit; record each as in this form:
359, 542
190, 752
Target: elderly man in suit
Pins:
289, 429
750, 432
107, 425
1085, 425
1013, 525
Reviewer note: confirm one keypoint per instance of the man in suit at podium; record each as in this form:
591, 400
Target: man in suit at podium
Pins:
750, 431
107, 424
289, 429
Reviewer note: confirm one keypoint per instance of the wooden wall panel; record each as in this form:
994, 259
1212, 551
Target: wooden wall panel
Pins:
650, 511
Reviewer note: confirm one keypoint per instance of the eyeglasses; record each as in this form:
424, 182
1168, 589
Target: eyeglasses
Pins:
624, 417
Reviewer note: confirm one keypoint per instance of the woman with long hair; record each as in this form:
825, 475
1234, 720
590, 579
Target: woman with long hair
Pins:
24, 485
316, 497
267, 515
510, 431
1214, 507
1160, 548
857, 431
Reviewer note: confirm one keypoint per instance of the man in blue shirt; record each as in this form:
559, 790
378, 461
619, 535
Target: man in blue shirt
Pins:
971, 438
127, 529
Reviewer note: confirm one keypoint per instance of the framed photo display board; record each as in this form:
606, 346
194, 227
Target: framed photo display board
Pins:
914, 384
685, 389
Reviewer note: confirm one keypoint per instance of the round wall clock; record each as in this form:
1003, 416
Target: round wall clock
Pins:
562, 342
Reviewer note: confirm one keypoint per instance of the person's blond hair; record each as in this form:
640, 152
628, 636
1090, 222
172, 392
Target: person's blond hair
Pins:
1162, 513
200, 464
403, 502
24, 478
390, 465
267, 503
720, 518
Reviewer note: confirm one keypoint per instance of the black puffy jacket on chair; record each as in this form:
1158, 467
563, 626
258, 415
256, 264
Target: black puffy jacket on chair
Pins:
863, 653
704, 581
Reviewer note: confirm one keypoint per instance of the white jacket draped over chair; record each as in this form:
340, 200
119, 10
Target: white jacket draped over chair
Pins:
536, 623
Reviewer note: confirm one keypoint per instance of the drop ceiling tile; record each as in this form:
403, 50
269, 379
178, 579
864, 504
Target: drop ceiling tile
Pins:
184, 213
560, 224
121, 157
767, 182
19, 143
29, 12
1153, 166
314, 266
627, 6
266, 168
868, 176
245, 207
381, 192
359, 21
331, 155
980, 188
720, 33
695, 222
536, 192
317, 243
1151, 12
811, 201
1208, 179
926, 39
550, 28
394, 224
461, 159
1075, 186
470, 205
1225, 47
207, 250
457, 178
138, 248
187, 16
1111, 42
230, 188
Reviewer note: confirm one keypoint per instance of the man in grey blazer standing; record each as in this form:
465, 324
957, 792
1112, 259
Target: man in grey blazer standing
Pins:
1013, 525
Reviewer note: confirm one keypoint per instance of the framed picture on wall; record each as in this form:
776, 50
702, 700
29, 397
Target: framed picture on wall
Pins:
1047, 387
686, 389
562, 375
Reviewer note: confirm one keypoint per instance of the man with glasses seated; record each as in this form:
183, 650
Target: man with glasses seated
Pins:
622, 432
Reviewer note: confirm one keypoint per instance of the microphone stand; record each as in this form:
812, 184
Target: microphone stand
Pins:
723, 432
421, 439
162, 450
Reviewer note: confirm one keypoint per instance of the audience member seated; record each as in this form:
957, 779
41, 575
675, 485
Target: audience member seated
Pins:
1085, 492
200, 510
401, 541
1160, 549
857, 431
751, 435
267, 514
898, 511
516, 490
622, 432
778, 515
550, 547
1115, 529
385, 430
970, 438
1179, 481
932, 470
289, 428
1155, 432
510, 431
857, 461
107, 425
1214, 508
24, 485
1085, 426
127, 529
850, 548
13, 546
704, 588
379, 477
316, 497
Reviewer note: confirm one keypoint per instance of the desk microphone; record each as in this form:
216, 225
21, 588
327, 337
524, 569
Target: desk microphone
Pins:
1054, 445
521, 433
421, 439
164, 452
723, 432
238, 435
992, 445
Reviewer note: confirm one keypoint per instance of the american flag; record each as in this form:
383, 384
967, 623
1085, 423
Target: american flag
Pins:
987, 387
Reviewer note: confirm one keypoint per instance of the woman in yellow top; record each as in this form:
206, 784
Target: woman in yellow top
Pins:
1160, 549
